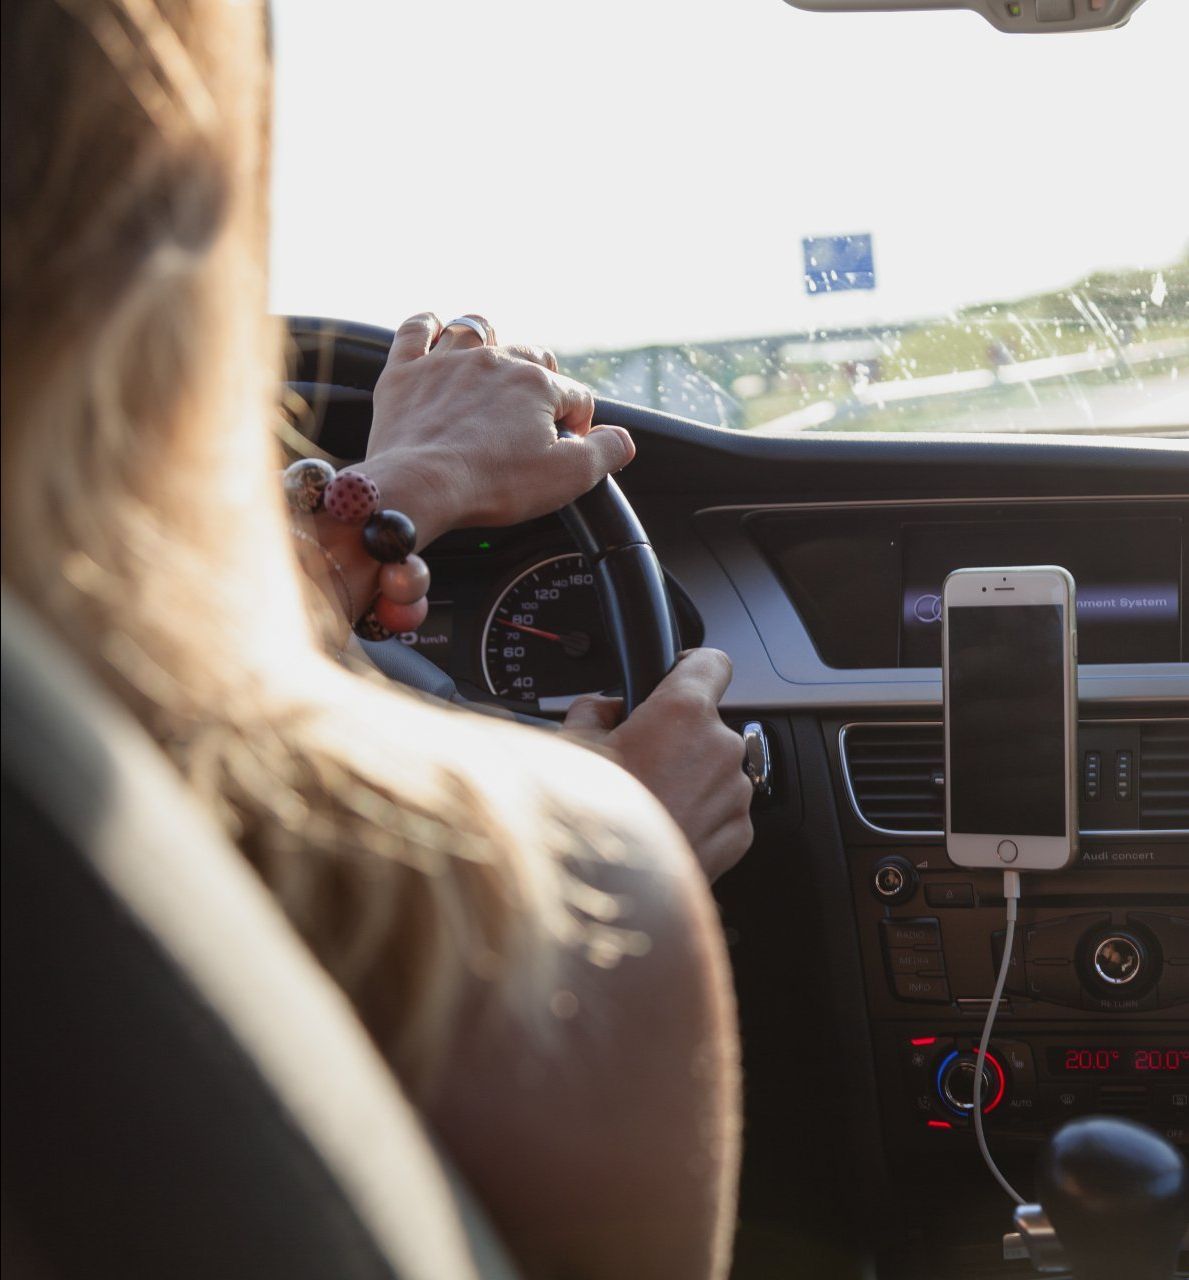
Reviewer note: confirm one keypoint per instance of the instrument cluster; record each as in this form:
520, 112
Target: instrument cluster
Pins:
514, 618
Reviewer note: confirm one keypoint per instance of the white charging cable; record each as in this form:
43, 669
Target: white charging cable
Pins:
1011, 891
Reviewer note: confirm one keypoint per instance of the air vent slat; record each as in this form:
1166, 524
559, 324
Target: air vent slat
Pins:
883, 796
869, 761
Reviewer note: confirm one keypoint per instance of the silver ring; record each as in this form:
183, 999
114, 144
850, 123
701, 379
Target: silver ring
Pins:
475, 326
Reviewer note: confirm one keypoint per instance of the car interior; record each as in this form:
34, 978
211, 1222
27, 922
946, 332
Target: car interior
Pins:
187, 1094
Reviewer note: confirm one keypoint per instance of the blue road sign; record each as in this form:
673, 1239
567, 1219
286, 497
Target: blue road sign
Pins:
834, 263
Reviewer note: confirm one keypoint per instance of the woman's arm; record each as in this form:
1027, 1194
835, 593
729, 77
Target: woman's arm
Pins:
613, 1151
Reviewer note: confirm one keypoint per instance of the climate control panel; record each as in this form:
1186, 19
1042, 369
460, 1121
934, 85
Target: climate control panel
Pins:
1032, 1084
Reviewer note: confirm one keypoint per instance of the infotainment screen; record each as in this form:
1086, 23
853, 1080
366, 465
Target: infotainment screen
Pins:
1128, 574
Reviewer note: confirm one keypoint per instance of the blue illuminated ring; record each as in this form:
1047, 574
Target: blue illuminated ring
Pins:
993, 1063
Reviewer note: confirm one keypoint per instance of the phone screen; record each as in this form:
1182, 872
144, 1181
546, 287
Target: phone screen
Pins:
1007, 767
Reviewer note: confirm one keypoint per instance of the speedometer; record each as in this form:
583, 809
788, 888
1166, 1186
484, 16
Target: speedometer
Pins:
545, 636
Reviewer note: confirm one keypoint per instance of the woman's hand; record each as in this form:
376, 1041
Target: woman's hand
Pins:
677, 745
466, 434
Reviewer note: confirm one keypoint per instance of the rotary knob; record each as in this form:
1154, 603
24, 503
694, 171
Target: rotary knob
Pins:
894, 879
955, 1082
1119, 960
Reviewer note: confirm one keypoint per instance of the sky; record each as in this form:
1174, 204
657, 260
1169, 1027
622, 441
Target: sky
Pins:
639, 171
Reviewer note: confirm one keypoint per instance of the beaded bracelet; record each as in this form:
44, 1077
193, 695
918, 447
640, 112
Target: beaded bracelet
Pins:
312, 485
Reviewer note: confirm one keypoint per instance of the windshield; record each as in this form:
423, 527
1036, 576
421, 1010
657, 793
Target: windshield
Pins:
754, 216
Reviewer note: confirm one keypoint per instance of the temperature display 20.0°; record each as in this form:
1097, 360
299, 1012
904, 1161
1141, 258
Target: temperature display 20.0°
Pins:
1097, 1060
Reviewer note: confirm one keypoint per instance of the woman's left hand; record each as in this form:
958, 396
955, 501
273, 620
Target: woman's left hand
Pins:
465, 433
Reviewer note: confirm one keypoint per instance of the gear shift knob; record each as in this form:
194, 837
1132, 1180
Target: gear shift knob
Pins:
1117, 1195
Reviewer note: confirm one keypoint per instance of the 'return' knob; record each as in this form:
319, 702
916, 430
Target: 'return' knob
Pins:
955, 1082
1119, 960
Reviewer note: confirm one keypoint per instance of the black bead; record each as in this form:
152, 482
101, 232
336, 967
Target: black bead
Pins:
389, 537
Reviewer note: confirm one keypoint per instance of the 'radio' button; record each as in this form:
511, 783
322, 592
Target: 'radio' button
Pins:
923, 933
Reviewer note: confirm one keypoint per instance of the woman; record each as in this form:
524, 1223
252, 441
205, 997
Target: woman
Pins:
522, 928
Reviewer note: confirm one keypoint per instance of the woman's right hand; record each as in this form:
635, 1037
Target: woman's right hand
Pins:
465, 434
677, 745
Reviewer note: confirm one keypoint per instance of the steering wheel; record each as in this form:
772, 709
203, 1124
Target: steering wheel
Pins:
629, 581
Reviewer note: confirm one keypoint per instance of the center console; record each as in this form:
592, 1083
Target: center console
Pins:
1095, 1017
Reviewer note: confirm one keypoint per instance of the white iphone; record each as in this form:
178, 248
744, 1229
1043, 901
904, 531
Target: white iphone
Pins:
1009, 666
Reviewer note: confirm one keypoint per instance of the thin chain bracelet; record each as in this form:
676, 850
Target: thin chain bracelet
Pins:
340, 573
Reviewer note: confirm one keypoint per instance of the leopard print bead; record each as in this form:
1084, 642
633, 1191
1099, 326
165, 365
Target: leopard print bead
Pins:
305, 482
369, 627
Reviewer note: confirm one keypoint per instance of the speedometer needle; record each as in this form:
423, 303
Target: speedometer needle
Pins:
532, 631
576, 644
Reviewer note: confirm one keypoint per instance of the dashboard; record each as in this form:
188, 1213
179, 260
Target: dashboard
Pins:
863, 958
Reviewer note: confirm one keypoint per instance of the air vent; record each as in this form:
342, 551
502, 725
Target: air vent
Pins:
894, 772
1164, 775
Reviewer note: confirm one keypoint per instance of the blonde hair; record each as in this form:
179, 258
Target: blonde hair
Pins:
142, 520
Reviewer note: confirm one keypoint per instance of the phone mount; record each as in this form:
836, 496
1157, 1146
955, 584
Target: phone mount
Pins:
1114, 1202
1031, 17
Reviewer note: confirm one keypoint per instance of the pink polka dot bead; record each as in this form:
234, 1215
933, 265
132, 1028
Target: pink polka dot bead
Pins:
351, 498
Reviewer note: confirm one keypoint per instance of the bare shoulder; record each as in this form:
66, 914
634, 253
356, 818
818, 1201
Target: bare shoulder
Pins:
607, 1144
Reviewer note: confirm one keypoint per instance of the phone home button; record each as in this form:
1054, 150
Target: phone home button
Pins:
1007, 851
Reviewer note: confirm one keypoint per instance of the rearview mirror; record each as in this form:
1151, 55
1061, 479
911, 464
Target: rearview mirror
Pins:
1031, 16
